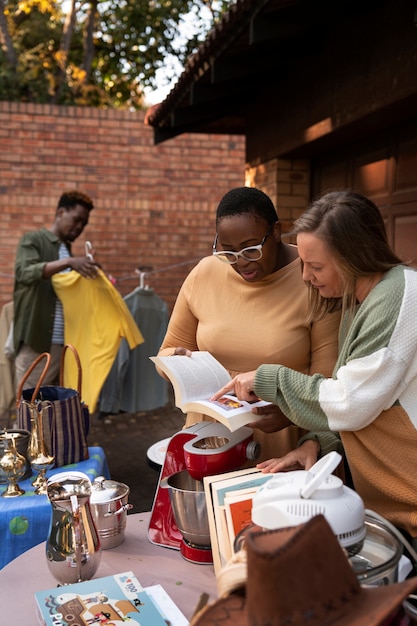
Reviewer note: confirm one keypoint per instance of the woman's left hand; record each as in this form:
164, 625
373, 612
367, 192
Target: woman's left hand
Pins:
303, 458
241, 385
272, 419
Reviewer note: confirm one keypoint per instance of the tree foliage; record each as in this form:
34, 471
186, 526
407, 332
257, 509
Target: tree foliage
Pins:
99, 53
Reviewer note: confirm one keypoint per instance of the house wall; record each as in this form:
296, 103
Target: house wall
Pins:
382, 166
154, 205
343, 109
287, 182
357, 76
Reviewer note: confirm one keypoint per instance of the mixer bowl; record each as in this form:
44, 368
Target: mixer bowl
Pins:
189, 507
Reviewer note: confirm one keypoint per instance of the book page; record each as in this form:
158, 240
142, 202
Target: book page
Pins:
167, 607
197, 377
208, 482
225, 550
212, 525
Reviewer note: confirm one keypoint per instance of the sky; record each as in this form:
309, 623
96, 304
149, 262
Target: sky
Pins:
154, 97
187, 29
159, 94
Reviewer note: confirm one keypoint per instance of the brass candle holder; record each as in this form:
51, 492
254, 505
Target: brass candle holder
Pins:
13, 466
40, 458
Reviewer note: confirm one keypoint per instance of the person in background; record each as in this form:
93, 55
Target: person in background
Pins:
38, 324
371, 398
248, 302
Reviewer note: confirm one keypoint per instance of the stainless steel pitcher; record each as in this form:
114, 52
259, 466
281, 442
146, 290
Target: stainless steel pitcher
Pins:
73, 548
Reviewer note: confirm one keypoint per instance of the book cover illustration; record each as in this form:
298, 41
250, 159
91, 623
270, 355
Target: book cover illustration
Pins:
112, 600
238, 509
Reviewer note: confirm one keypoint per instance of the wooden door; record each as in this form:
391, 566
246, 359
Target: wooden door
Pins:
388, 175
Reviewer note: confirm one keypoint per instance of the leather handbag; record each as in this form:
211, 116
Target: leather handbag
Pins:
68, 420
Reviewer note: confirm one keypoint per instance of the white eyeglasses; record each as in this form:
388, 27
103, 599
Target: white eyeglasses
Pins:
252, 253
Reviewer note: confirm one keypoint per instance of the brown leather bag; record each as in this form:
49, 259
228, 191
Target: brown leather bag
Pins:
66, 429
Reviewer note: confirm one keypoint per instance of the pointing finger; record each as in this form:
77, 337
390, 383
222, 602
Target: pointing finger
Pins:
226, 389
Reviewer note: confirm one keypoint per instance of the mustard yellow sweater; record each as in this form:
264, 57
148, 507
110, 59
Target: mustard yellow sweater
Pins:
246, 324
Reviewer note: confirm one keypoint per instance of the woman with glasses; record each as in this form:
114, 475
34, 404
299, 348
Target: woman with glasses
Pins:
247, 304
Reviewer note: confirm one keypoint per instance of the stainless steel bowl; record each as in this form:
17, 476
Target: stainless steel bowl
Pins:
189, 507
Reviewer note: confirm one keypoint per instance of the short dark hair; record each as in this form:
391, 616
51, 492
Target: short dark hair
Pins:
70, 199
247, 200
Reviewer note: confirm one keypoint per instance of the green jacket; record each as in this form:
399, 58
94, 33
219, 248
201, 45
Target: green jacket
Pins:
34, 297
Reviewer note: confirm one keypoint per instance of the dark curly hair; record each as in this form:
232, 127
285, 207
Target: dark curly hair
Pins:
70, 199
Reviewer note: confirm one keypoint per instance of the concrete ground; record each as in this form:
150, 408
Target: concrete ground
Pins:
125, 439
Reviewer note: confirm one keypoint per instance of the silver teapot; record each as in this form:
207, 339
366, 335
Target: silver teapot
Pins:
73, 549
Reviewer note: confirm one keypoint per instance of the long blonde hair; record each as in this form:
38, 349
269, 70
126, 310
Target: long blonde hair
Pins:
353, 230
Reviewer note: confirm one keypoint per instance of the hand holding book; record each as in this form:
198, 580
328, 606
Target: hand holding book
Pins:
180, 351
196, 379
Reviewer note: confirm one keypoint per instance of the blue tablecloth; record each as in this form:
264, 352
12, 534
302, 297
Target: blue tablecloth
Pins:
24, 520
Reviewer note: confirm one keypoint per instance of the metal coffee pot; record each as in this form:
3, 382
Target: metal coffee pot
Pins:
73, 550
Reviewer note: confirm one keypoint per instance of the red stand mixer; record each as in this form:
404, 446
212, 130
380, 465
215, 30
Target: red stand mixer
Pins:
179, 513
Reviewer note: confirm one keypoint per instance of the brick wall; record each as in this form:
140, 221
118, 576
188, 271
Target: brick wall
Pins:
287, 182
154, 205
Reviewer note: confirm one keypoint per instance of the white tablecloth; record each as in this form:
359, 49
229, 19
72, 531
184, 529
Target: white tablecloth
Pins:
183, 581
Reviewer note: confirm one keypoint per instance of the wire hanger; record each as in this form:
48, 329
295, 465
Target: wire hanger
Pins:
89, 250
142, 272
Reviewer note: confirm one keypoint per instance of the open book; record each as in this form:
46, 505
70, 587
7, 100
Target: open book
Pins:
195, 379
